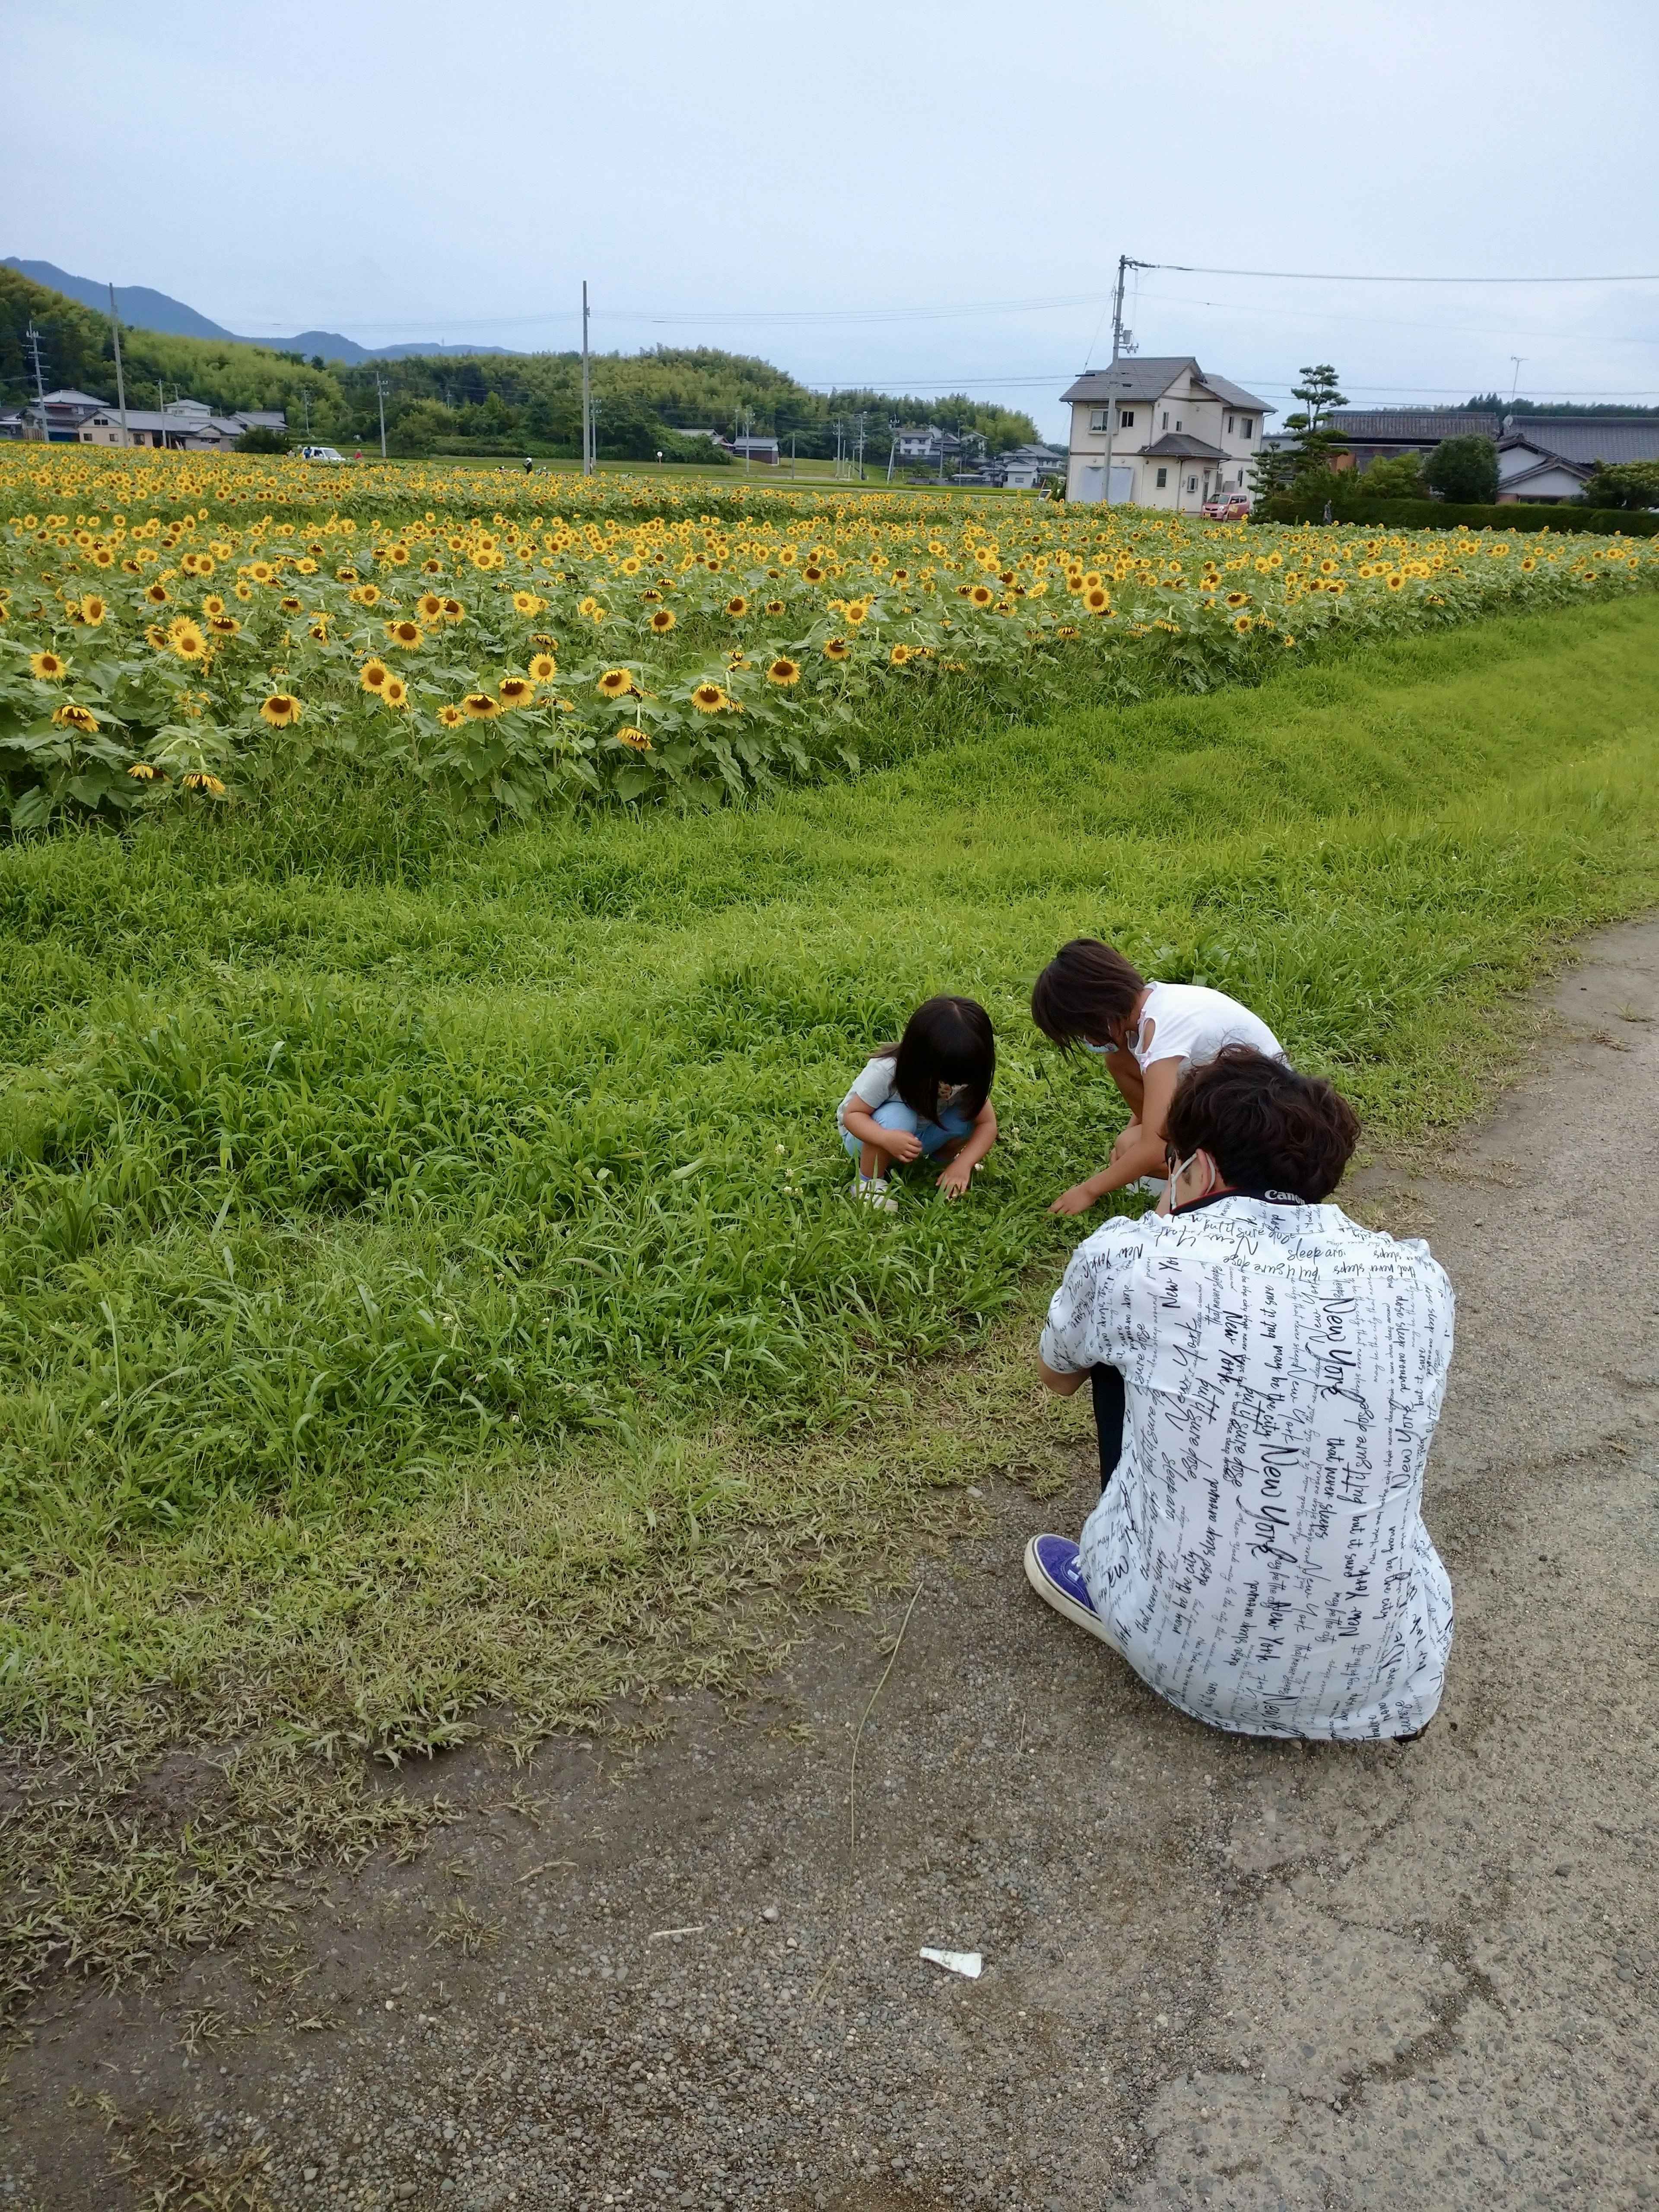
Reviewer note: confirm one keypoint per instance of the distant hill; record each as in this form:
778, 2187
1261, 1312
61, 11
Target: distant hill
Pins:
143, 309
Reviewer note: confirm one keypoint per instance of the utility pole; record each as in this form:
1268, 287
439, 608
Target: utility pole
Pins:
120, 380
379, 394
861, 448
32, 339
1119, 336
892, 450
305, 402
587, 394
1517, 358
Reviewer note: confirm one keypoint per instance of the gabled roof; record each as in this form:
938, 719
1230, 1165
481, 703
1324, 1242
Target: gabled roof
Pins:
1150, 376
1182, 446
1547, 464
68, 398
1587, 437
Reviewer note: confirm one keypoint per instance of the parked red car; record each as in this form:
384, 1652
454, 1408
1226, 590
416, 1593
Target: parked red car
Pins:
1231, 507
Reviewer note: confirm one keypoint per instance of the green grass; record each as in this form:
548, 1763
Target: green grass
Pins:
426, 1270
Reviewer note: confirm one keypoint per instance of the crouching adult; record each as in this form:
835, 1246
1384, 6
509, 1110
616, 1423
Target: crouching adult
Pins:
1258, 1555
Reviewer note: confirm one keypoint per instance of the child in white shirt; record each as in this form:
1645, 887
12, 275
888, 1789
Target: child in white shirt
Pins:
1148, 1033
928, 1095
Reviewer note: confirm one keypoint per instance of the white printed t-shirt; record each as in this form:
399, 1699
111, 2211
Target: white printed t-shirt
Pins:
1192, 1023
1260, 1556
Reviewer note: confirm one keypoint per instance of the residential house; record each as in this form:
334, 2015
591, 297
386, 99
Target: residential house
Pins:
1178, 436
1382, 434
186, 425
764, 450
1028, 466
1542, 459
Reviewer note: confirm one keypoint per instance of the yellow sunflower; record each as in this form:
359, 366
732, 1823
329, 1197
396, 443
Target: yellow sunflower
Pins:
197, 779
224, 625
290, 605
395, 692
636, 740
431, 607
736, 607
615, 684
449, 716
858, 611
93, 610
187, 641
144, 773
157, 594
709, 699
526, 603
454, 611
517, 691
837, 648
544, 668
374, 676
71, 717
406, 634
981, 595
662, 622
1096, 598
48, 666
280, 710
481, 706
783, 670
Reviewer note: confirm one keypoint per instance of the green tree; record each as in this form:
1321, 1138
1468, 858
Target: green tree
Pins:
1398, 477
1464, 470
1623, 483
1306, 463
262, 438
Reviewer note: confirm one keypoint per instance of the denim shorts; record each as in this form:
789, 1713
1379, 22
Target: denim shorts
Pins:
897, 1115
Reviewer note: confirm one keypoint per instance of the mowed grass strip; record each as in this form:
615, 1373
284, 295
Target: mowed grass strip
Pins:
383, 1258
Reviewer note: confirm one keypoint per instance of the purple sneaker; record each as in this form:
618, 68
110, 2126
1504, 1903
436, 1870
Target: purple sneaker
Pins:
1052, 1570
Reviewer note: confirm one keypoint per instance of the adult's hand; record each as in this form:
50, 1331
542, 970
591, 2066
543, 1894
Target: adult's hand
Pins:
1077, 1199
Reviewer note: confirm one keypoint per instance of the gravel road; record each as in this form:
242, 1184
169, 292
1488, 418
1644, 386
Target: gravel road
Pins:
1216, 1972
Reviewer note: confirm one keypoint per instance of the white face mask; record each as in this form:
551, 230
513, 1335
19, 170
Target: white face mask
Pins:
1175, 1173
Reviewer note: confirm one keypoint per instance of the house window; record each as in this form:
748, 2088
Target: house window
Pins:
1162, 479
1191, 483
1098, 418
1241, 477
1230, 425
1246, 423
1126, 418
1166, 422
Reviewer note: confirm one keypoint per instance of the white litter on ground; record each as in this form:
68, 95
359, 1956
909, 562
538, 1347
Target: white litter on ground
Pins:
956, 1962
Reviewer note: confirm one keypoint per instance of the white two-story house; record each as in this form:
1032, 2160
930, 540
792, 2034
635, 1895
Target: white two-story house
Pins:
1178, 436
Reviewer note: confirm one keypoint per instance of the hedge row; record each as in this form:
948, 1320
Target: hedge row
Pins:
1443, 514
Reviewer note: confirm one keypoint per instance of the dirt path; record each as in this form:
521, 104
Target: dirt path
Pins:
1219, 1972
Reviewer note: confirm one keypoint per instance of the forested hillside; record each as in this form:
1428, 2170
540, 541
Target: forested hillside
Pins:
488, 403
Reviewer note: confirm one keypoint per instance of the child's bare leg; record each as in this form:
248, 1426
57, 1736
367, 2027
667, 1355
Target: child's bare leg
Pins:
873, 1161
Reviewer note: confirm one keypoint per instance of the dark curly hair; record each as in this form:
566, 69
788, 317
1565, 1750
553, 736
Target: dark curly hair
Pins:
1265, 1127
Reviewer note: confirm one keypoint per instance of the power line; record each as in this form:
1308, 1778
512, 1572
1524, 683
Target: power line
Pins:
1353, 277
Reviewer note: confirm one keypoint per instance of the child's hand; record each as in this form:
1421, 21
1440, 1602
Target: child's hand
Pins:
1077, 1199
954, 1180
901, 1144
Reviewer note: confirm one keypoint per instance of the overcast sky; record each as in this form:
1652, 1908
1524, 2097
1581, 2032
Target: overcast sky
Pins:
921, 195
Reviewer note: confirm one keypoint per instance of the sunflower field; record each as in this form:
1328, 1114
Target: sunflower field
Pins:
188, 630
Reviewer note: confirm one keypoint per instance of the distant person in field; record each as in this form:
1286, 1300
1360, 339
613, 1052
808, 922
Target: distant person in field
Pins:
1147, 1034
927, 1097
1259, 1555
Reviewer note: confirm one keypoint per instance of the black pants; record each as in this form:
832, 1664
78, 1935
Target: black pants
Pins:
1107, 1383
